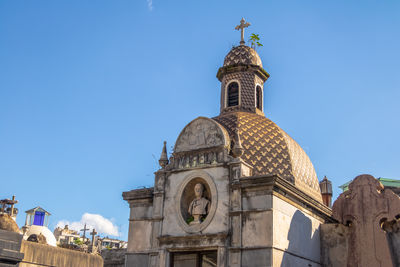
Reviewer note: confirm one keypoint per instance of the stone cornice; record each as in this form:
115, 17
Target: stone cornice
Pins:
288, 192
138, 194
242, 68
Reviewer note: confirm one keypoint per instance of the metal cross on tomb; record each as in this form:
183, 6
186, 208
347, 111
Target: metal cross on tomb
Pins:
243, 24
93, 233
84, 232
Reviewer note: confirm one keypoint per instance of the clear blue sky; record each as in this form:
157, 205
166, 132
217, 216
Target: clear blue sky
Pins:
90, 89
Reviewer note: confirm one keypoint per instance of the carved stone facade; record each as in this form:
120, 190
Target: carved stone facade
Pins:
259, 203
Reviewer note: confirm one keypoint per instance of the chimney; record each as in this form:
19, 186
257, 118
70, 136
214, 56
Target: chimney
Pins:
326, 191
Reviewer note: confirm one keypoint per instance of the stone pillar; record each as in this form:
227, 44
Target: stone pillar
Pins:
158, 203
238, 169
164, 258
222, 259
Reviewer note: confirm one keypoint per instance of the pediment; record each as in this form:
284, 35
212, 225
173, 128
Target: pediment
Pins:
201, 133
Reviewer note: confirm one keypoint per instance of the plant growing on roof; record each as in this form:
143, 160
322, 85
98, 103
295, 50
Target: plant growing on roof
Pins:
255, 40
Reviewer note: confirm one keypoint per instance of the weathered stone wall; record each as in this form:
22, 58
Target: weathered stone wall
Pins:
367, 234
39, 255
296, 235
10, 245
334, 244
114, 257
335, 240
394, 242
274, 231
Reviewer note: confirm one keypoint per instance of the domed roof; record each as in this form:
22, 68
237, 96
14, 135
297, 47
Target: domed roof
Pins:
271, 151
242, 54
37, 230
7, 223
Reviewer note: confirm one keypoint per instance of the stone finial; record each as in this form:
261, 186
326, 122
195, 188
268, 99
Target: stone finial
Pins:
237, 149
326, 191
163, 161
364, 207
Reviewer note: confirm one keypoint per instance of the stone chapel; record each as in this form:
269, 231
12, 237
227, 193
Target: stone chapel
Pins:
236, 191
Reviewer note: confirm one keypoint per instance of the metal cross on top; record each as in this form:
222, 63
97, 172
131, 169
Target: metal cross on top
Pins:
243, 24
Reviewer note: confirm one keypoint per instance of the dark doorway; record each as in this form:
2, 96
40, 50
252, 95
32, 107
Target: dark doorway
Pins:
194, 259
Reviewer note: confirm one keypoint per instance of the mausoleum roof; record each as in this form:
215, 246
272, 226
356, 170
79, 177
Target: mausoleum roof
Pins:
242, 54
271, 151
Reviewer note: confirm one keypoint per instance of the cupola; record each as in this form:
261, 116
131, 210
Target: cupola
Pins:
242, 78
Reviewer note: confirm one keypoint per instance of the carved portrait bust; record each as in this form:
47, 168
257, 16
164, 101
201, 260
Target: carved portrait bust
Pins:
196, 201
200, 206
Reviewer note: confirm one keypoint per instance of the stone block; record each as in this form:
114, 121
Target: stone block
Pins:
256, 200
139, 230
10, 245
137, 260
257, 229
256, 258
141, 212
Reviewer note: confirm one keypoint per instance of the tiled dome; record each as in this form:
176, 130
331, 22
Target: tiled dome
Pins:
271, 151
242, 55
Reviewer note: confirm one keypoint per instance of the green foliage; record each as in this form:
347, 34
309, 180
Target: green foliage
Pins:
255, 40
189, 220
78, 242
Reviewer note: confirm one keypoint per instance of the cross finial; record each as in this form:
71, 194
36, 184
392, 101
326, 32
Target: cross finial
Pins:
243, 24
93, 233
84, 232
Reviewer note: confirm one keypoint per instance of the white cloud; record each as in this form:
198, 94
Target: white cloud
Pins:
102, 225
150, 4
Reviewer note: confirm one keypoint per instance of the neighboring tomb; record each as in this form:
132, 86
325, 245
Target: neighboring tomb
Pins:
35, 228
36, 250
367, 234
65, 236
392, 184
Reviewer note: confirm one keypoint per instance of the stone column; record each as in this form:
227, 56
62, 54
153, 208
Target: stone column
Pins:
222, 257
158, 204
237, 169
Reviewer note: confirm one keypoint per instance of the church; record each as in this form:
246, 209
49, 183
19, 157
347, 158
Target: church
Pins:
237, 190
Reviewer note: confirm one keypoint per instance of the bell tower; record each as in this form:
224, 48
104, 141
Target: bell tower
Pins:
242, 78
